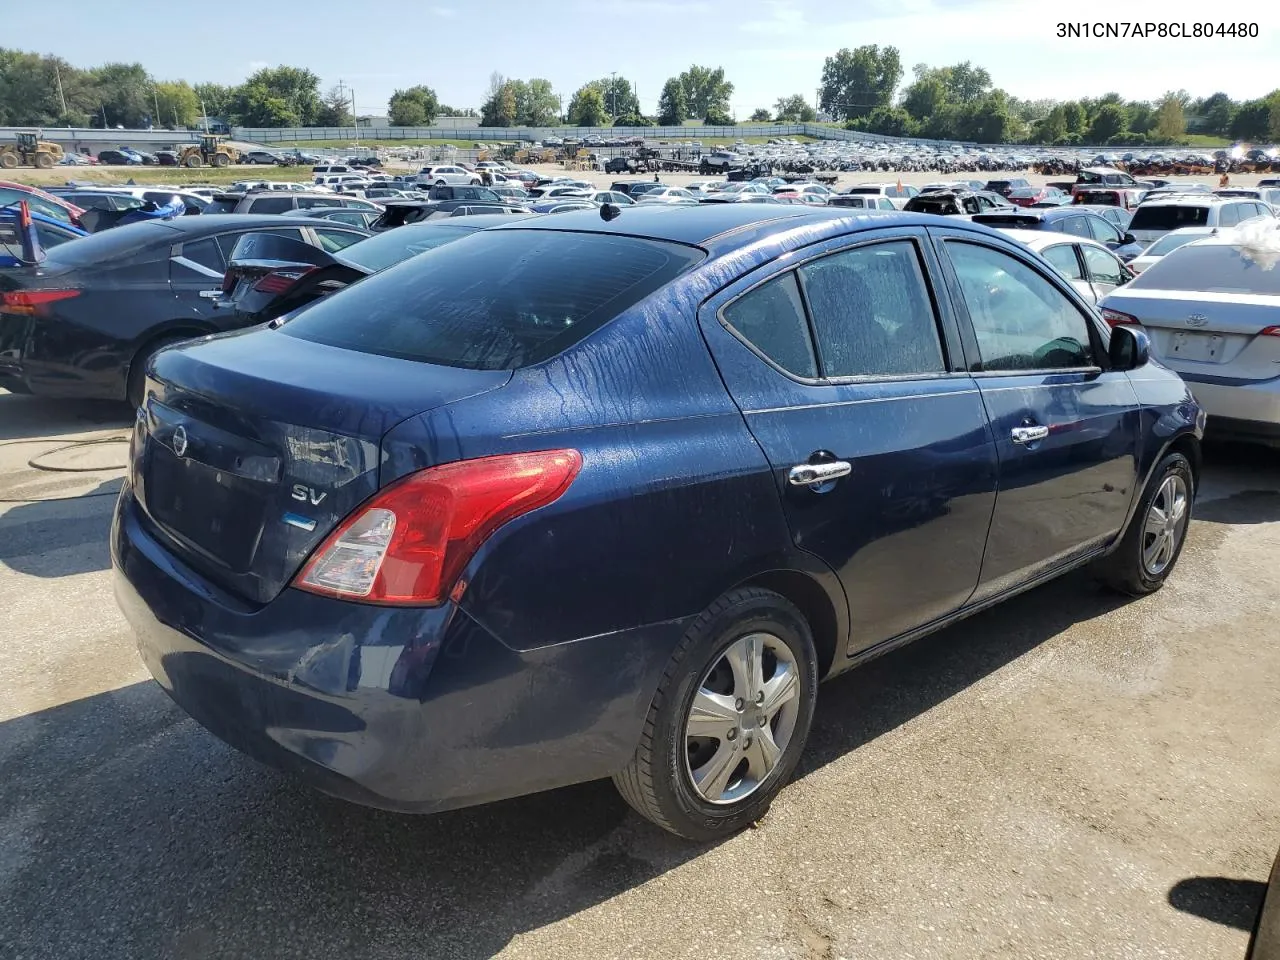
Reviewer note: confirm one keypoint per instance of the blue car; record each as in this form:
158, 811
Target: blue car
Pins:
607, 495
1075, 220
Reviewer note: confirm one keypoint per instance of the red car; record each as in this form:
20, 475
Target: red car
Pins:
40, 202
1029, 196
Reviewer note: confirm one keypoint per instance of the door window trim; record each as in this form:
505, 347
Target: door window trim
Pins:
955, 364
1097, 341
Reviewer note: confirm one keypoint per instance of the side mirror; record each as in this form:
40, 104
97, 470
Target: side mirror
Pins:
1130, 347
1128, 238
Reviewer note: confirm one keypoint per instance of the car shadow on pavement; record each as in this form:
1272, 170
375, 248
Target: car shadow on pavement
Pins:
1225, 900
61, 535
24, 416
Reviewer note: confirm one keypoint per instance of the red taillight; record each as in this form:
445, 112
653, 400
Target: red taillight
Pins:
410, 543
1269, 332
1114, 317
278, 281
28, 302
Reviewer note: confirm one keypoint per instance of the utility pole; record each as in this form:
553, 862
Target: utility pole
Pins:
205, 114
57, 72
155, 97
613, 94
355, 121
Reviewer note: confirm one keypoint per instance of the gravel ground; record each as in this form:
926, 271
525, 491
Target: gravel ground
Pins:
1067, 776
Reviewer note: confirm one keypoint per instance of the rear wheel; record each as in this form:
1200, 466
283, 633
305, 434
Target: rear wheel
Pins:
1151, 546
8, 160
221, 160
729, 720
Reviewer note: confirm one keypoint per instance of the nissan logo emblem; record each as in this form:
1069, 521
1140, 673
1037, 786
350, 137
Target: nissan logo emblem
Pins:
1197, 320
180, 441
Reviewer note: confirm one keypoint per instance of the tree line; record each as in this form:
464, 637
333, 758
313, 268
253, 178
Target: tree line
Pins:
861, 88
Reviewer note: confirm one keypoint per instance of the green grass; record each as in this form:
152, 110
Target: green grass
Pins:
142, 176
303, 145
1207, 140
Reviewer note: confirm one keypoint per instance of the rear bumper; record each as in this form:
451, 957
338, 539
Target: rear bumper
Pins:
1247, 401
416, 710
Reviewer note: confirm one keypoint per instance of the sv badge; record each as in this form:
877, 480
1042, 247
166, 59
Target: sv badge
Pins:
308, 494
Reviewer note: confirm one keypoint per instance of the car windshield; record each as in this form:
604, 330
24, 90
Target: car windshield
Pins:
1216, 268
1169, 217
496, 300
387, 249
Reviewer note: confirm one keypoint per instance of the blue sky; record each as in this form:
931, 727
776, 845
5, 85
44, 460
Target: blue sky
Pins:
769, 48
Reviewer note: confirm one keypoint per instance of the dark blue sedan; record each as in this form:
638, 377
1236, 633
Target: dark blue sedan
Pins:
580, 497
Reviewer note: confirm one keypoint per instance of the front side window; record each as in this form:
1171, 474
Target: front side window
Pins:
271, 205
1103, 266
1063, 259
1022, 321
331, 241
771, 318
872, 314
1229, 215
204, 252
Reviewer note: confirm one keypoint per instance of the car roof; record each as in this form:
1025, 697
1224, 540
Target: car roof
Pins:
213, 222
1039, 239
1177, 199
723, 227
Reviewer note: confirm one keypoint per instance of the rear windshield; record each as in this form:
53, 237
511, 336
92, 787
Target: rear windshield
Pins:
387, 249
113, 243
219, 205
1169, 217
1220, 268
1171, 242
497, 300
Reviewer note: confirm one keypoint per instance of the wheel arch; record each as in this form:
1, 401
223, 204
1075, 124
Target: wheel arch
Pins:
827, 618
174, 330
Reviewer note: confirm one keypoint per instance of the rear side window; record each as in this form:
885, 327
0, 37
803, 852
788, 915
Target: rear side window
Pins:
1063, 258
1075, 226
219, 205
872, 315
1103, 231
204, 252
1022, 321
771, 318
271, 205
497, 300
1169, 217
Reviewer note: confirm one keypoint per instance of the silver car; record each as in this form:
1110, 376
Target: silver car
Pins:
1212, 309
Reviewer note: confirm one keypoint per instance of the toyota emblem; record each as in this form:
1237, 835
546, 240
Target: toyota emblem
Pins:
1197, 320
180, 441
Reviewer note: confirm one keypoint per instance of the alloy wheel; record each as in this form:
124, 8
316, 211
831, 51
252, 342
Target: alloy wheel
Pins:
1165, 525
742, 718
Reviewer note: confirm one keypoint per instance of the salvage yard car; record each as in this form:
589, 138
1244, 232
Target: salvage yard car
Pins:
437, 541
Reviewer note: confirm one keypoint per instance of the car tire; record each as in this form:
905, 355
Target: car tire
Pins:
137, 381
1152, 544
708, 787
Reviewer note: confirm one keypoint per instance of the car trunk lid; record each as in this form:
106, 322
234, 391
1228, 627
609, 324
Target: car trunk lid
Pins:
250, 448
1195, 332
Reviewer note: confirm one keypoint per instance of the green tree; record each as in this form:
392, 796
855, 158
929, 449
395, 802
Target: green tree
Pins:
414, 107
717, 116
277, 97
1273, 116
1171, 121
987, 120
587, 108
335, 109
1074, 114
966, 83
29, 85
761, 116
795, 109
673, 104
855, 82
925, 96
179, 106
1142, 117
888, 121
706, 93
501, 107
1109, 120
124, 94
1251, 121
619, 97
1052, 127
447, 111
1215, 113
536, 103
215, 98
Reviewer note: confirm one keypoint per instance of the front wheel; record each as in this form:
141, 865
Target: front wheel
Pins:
729, 720
1151, 546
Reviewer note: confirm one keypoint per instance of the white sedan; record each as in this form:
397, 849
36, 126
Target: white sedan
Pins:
1086, 264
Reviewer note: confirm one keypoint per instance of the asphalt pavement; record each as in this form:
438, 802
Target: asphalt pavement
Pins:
1069, 775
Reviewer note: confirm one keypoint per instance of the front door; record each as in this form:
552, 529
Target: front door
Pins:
846, 371
1066, 427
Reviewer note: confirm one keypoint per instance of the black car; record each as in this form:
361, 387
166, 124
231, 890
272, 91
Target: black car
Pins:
1070, 220
269, 275
166, 158
617, 165
634, 188
109, 301
400, 212
1006, 187
114, 158
261, 156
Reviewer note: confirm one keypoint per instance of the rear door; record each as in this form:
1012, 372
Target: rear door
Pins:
1066, 427
847, 369
196, 268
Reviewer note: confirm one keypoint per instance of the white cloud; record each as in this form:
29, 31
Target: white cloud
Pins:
787, 18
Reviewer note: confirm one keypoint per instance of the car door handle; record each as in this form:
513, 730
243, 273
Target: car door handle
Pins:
812, 474
1029, 434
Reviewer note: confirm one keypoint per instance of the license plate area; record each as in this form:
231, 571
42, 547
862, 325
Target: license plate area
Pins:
1200, 347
